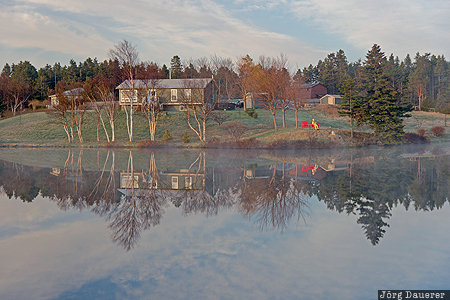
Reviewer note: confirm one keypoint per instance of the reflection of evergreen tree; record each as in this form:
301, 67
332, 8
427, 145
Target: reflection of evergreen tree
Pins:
430, 188
370, 192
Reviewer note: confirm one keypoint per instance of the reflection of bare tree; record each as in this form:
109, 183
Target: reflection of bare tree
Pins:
274, 200
103, 193
71, 195
140, 208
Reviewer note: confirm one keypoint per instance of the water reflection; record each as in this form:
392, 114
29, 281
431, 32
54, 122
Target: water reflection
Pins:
132, 189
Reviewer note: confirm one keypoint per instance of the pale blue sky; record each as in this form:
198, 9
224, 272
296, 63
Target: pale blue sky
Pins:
49, 31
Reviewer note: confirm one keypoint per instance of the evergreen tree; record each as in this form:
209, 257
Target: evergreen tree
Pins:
381, 108
165, 71
351, 104
419, 78
176, 67
7, 70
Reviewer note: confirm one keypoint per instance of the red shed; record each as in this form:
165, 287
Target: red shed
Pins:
312, 91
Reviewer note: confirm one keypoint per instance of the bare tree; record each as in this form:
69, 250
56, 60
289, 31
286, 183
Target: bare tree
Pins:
106, 95
151, 105
236, 129
295, 97
272, 83
70, 110
199, 105
248, 75
224, 76
128, 58
101, 96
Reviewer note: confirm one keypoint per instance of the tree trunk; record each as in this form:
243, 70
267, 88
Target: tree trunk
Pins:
113, 135
274, 121
67, 132
104, 128
296, 118
98, 127
351, 126
204, 129
131, 122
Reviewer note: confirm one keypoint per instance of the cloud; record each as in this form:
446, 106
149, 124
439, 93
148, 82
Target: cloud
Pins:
398, 26
159, 29
31, 29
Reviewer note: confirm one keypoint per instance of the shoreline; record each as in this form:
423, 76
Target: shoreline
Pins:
290, 145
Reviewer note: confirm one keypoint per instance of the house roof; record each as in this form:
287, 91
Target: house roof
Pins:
167, 83
310, 85
335, 96
72, 92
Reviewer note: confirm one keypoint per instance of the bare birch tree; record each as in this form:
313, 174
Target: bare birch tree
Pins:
199, 106
128, 58
102, 99
151, 104
70, 110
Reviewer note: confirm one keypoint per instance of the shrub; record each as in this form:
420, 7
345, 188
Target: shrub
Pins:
251, 143
236, 129
421, 132
219, 117
414, 138
109, 145
167, 135
327, 109
252, 113
150, 144
437, 130
186, 139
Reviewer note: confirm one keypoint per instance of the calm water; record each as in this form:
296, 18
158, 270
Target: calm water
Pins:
223, 225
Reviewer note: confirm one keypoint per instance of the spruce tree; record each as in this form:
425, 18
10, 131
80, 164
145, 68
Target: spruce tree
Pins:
382, 110
175, 67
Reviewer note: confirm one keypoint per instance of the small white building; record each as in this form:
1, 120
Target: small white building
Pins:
331, 99
70, 94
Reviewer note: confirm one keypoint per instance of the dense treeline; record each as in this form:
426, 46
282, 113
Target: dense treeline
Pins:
423, 81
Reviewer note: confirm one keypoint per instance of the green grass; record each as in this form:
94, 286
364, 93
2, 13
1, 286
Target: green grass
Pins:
41, 128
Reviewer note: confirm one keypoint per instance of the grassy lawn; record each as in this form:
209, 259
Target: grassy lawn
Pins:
41, 128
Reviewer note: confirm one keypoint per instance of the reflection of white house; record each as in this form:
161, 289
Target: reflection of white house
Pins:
331, 99
70, 94
129, 180
175, 180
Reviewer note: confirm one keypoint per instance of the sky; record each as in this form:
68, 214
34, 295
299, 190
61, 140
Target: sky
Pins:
49, 31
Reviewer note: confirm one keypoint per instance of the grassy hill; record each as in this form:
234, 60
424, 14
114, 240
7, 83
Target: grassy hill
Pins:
41, 128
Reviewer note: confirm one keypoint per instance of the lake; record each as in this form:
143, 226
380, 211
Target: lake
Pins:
178, 224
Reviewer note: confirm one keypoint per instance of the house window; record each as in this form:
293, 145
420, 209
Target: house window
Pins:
173, 95
188, 94
153, 93
188, 182
128, 181
175, 182
126, 95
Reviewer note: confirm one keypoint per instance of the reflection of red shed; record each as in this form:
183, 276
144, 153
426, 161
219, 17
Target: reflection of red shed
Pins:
313, 90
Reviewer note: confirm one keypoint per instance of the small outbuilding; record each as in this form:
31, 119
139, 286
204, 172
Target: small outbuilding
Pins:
331, 99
